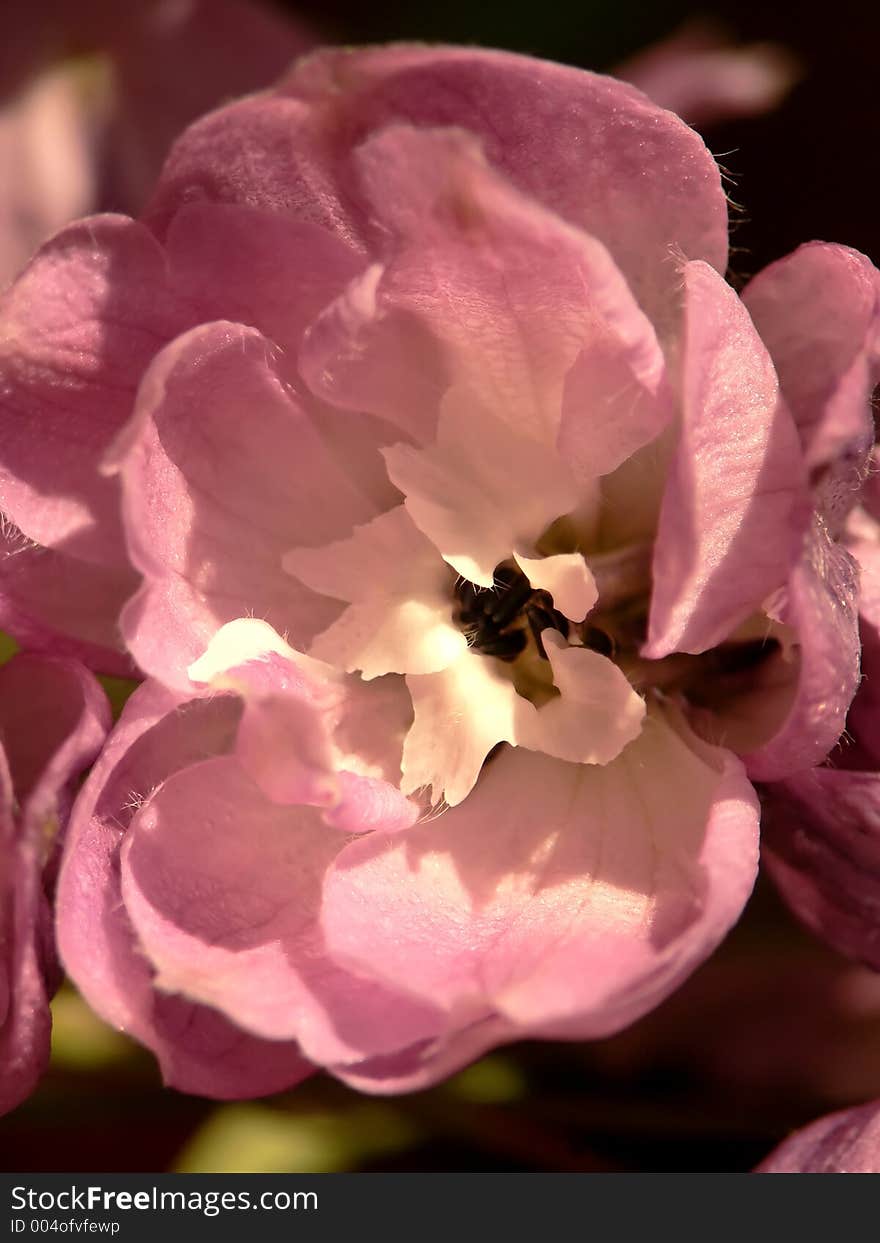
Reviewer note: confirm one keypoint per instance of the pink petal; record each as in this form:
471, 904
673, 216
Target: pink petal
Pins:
282, 742
257, 267
364, 354
55, 602
309, 735
223, 473
198, 1049
427, 1062
25, 1022
229, 918
589, 147
818, 312
822, 847
532, 294
609, 410
847, 1142
820, 604
53, 719
568, 899
735, 503
76, 332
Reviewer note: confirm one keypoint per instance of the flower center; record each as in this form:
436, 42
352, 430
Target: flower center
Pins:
501, 620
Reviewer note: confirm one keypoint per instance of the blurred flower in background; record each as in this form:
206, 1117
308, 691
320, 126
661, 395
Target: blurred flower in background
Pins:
93, 93
701, 73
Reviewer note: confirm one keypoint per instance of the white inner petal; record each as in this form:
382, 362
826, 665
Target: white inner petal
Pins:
463, 711
594, 716
481, 489
399, 618
568, 579
460, 714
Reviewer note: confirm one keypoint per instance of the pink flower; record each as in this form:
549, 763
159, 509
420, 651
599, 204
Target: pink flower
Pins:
53, 719
479, 565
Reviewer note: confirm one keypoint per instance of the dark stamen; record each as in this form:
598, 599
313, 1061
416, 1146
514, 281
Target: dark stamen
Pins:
598, 640
496, 618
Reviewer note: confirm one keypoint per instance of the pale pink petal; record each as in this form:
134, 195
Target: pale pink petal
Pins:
257, 152
818, 312
198, 1049
593, 150
309, 735
847, 1142
399, 618
594, 716
569, 899
820, 605
706, 79
609, 411
223, 472
735, 503
821, 845
532, 295
568, 579
283, 746
370, 756
535, 301
228, 917
363, 354
76, 332
257, 267
482, 489
53, 719
429, 1061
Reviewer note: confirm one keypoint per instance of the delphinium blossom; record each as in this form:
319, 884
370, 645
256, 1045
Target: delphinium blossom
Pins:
483, 555
53, 718
92, 94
